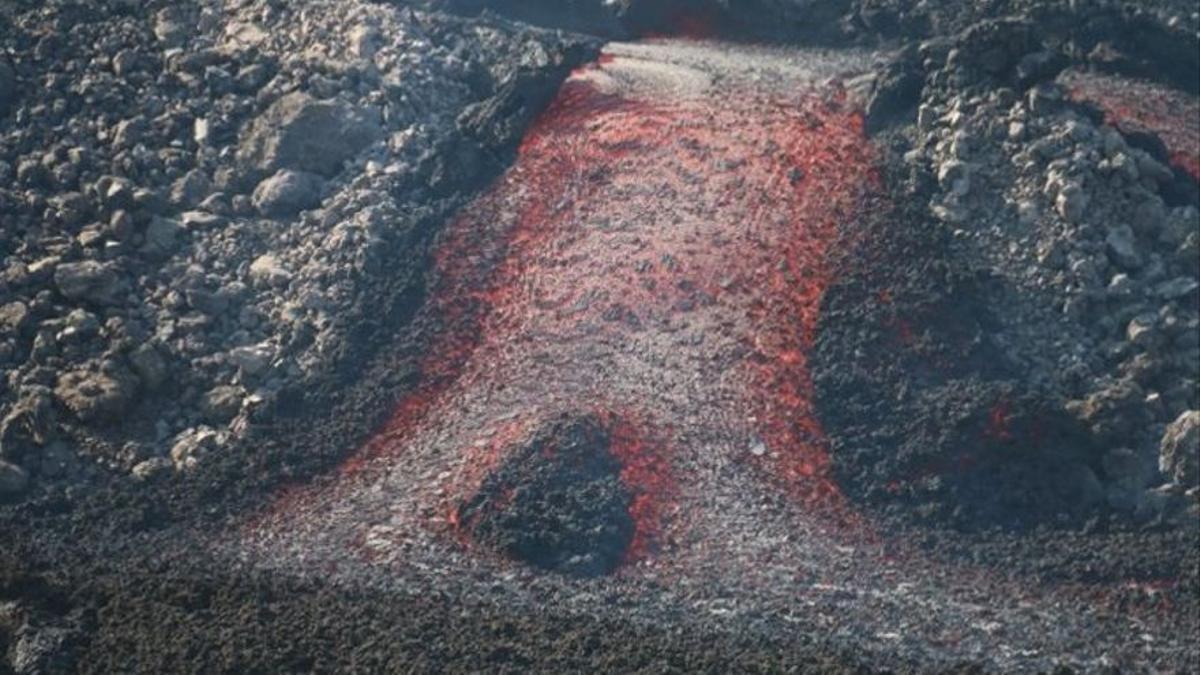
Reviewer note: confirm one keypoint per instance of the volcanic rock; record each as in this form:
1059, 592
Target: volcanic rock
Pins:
1176, 288
1122, 248
14, 318
190, 189
95, 396
192, 446
304, 134
252, 360
287, 193
1113, 410
149, 468
267, 269
149, 365
170, 26
1179, 452
13, 479
30, 422
89, 281
1142, 330
1071, 202
222, 403
161, 237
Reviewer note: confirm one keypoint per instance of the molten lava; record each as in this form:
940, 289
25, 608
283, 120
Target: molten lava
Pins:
1142, 106
657, 260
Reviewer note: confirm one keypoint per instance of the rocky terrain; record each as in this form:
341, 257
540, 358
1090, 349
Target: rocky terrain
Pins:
1061, 269
175, 267
223, 226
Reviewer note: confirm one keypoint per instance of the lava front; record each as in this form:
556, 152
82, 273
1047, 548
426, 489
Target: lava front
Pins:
617, 396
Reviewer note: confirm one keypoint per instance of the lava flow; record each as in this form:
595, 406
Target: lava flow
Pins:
615, 408
1147, 107
652, 261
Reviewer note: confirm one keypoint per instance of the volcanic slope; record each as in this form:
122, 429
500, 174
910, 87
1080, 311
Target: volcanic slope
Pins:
615, 413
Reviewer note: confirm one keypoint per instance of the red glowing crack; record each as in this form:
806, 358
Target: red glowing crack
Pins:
1139, 105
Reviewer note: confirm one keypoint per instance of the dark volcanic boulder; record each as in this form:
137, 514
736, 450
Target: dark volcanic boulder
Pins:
557, 503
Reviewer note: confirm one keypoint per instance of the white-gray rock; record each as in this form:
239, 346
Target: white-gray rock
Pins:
147, 469
267, 269
192, 446
252, 359
1179, 451
95, 396
955, 177
287, 193
1071, 202
1142, 330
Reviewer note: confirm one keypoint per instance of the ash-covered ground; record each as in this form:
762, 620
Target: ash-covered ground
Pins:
448, 335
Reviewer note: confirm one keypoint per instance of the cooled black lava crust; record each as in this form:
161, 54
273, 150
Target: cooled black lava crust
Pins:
558, 503
926, 417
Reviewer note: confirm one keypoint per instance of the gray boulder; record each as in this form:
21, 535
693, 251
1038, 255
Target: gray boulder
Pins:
95, 396
192, 446
162, 237
89, 281
1179, 451
14, 318
304, 134
287, 193
1122, 248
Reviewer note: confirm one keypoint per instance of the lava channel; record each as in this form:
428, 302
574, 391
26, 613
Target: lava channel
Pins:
655, 258
615, 413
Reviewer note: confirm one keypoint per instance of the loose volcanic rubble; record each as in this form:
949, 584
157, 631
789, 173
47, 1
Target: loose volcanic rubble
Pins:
171, 268
1088, 239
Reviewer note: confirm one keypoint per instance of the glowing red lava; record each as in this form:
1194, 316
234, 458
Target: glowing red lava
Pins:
660, 260
1139, 105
